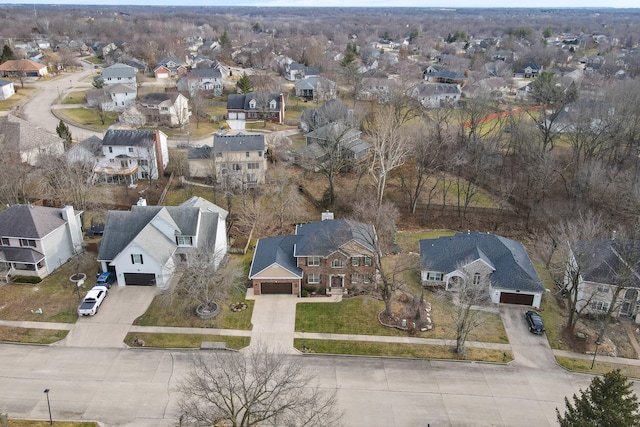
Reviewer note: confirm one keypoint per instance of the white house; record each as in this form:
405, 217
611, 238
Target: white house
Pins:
435, 94
122, 96
26, 141
165, 108
119, 73
7, 90
36, 240
145, 245
130, 155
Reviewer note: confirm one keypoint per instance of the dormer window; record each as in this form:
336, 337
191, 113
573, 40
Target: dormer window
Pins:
252, 103
272, 104
184, 240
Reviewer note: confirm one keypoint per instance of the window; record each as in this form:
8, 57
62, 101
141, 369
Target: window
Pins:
112, 160
143, 162
367, 261
313, 261
337, 263
5, 242
604, 289
111, 149
136, 259
246, 154
355, 261
356, 278
184, 240
251, 178
435, 277
131, 149
599, 305
164, 108
236, 167
313, 278
28, 242
218, 154
476, 279
253, 165
144, 175
259, 153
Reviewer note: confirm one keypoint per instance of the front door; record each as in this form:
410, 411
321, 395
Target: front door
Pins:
337, 281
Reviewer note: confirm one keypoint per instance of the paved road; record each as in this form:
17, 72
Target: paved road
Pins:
136, 387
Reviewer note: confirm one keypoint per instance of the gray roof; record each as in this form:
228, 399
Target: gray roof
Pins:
322, 238
21, 135
29, 222
437, 89
196, 153
239, 142
275, 250
92, 145
119, 70
129, 137
121, 88
205, 206
158, 97
512, 267
241, 101
123, 227
607, 261
4, 82
24, 255
446, 74
199, 73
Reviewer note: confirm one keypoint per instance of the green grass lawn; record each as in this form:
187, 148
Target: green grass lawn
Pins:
31, 335
18, 97
584, 365
185, 340
76, 97
364, 348
87, 117
33, 423
408, 240
93, 60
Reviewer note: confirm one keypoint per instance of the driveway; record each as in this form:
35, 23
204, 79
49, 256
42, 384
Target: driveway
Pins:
274, 321
109, 327
530, 350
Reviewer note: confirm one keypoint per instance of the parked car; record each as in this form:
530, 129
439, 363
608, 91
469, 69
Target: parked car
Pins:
534, 320
105, 279
91, 302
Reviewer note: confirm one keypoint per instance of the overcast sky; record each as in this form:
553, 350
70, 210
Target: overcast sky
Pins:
352, 3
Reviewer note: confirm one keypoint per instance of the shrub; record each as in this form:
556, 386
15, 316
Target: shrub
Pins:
304, 293
26, 279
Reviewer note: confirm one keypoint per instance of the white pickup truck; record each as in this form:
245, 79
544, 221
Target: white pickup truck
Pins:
91, 302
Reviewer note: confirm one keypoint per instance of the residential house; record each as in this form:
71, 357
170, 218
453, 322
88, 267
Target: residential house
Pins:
485, 259
36, 240
27, 142
209, 81
350, 146
129, 155
315, 88
333, 255
376, 88
445, 76
433, 95
23, 67
145, 245
122, 96
241, 157
295, 71
165, 109
170, 67
7, 90
529, 71
607, 273
256, 106
88, 150
119, 74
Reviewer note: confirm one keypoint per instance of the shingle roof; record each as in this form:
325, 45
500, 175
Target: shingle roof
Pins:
29, 222
437, 89
21, 65
21, 135
322, 238
607, 261
120, 88
25, 255
119, 70
275, 250
5, 82
128, 137
241, 101
238, 142
158, 97
199, 73
196, 153
513, 269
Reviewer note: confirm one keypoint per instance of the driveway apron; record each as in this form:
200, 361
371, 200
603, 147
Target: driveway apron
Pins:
274, 319
529, 349
109, 327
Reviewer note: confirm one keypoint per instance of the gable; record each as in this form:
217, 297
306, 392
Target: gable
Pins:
275, 271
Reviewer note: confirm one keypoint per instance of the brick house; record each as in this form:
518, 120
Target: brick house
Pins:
325, 256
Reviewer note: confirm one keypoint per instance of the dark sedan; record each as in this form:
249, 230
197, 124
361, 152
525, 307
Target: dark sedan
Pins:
534, 321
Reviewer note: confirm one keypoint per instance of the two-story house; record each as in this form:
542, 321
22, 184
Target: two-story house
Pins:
332, 139
315, 88
256, 106
330, 256
36, 240
606, 275
528, 71
130, 155
119, 74
164, 109
170, 67
434, 95
26, 143
240, 156
207, 80
145, 245
482, 259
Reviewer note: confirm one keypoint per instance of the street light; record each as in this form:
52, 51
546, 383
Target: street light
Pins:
46, 391
595, 353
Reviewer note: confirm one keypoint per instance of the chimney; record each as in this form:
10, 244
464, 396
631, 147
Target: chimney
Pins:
75, 231
141, 202
613, 235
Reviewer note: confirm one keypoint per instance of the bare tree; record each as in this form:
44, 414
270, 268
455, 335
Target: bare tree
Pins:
259, 387
66, 181
284, 198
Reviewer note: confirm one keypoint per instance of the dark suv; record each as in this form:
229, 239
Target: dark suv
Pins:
105, 279
534, 321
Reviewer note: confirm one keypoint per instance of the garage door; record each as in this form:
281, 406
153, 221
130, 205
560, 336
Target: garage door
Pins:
163, 75
233, 116
140, 279
511, 298
276, 288
242, 116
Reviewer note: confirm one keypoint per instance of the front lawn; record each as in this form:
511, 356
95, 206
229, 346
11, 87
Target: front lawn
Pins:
31, 335
599, 368
76, 97
56, 295
87, 118
409, 240
185, 340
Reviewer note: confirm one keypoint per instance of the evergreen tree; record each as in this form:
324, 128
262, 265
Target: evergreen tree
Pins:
244, 85
7, 54
63, 132
224, 40
608, 402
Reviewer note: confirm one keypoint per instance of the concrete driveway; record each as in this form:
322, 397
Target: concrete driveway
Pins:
529, 349
110, 325
274, 321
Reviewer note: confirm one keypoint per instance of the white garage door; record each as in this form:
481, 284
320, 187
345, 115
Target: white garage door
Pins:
163, 75
242, 116
233, 116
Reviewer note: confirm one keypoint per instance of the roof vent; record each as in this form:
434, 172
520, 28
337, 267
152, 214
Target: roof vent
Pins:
327, 215
142, 202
